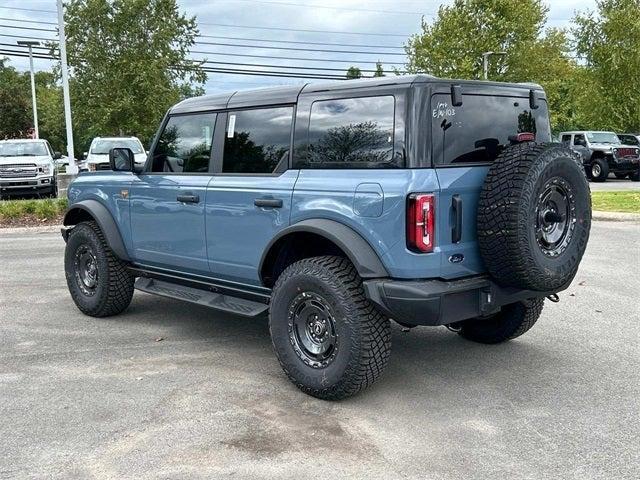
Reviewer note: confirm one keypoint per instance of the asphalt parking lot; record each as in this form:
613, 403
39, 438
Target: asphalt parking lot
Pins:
614, 184
171, 390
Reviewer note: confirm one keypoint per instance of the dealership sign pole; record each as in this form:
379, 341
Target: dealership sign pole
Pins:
72, 168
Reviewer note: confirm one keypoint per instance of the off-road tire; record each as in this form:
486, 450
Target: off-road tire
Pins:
604, 170
363, 333
635, 176
512, 321
114, 288
507, 216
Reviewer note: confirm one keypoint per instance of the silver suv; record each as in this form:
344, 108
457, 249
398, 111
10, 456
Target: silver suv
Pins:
603, 153
28, 167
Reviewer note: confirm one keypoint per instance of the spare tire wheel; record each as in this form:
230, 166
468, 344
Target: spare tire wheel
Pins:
534, 217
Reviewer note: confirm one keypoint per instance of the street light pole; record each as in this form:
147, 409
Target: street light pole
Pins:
485, 62
30, 44
73, 168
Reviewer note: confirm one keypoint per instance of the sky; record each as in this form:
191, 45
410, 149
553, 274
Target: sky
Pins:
373, 26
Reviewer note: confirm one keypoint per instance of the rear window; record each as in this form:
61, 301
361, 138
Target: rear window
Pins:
351, 133
479, 129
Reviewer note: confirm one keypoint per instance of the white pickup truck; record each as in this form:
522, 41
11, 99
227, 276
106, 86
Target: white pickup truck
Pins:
28, 167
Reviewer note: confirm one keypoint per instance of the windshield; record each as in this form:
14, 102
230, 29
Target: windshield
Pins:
603, 137
102, 147
23, 149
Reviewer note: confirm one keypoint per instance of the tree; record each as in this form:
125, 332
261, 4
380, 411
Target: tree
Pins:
129, 63
353, 73
610, 89
452, 47
15, 103
379, 71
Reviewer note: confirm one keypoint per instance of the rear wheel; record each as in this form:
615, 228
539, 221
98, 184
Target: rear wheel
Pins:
510, 322
599, 170
330, 340
100, 283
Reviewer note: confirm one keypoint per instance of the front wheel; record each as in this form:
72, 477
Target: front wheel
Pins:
329, 339
599, 170
510, 322
98, 281
635, 176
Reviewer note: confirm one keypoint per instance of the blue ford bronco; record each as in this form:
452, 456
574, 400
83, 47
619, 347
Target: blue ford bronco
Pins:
335, 208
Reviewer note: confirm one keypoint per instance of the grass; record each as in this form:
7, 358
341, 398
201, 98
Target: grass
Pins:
625, 201
40, 209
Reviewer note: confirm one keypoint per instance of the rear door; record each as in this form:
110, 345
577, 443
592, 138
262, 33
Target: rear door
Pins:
167, 200
466, 139
249, 198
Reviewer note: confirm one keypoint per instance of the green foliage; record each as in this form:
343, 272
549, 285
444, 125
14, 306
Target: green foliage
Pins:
610, 85
353, 73
452, 47
42, 209
15, 103
128, 60
379, 70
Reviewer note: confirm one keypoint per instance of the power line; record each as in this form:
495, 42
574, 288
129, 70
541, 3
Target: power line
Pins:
29, 28
296, 67
29, 9
29, 37
369, 10
297, 49
300, 42
26, 21
403, 35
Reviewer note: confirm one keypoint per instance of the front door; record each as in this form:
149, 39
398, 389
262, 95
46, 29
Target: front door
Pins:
168, 200
249, 201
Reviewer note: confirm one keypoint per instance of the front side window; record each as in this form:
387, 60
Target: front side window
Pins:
579, 140
257, 140
351, 133
478, 130
185, 144
566, 139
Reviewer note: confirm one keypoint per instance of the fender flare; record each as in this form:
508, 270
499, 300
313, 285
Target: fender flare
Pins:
364, 258
105, 221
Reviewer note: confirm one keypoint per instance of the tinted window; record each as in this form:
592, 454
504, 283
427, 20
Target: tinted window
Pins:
257, 141
579, 140
629, 139
351, 133
185, 144
566, 139
479, 129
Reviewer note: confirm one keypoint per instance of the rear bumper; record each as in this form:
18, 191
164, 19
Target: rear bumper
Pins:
441, 302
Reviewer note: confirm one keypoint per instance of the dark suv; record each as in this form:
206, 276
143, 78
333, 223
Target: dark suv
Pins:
336, 207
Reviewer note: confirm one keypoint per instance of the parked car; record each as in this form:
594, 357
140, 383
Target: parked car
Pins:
28, 166
630, 138
603, 153
335, 207
97, 158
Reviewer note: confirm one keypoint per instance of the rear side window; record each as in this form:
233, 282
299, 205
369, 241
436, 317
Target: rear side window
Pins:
185, 144
258, 140
566, 139
351, 133
479, 129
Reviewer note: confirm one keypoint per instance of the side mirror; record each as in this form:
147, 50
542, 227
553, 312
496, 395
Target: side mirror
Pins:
57, 155
121, 160
84, 155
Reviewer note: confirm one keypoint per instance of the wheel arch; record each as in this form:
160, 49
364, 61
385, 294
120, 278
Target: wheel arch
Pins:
298, 241
92, 210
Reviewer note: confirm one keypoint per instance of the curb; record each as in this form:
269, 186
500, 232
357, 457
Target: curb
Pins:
615, 216
38, 229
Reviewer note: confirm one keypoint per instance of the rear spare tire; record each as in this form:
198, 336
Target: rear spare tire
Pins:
534, 217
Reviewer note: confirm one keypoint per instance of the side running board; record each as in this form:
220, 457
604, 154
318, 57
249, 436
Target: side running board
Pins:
225, 303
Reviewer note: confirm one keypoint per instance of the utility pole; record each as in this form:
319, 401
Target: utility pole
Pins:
73, 168
30, 44
485, 62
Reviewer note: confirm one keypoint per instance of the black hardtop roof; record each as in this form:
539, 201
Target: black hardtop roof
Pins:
289, 94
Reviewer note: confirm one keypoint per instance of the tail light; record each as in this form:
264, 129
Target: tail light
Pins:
421, 222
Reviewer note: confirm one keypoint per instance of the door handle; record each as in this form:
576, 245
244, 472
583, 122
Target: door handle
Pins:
268, 202
188, 198
456, 230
